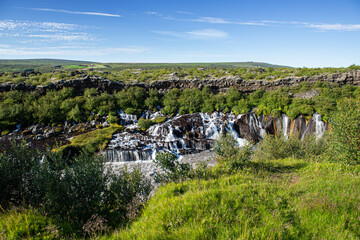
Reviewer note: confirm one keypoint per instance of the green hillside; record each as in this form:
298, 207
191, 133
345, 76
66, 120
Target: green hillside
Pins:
120, 66
49, 65
42, 61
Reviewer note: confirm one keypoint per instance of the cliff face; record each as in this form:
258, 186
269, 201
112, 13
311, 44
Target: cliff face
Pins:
218, 85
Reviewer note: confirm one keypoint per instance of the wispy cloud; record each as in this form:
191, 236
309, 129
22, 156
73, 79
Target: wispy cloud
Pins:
270, 23
153, 13
335, 27
204, 34
68, 51
210, 20
184, 13
28, 31
76, 12
37, 26
208, 34
61, 37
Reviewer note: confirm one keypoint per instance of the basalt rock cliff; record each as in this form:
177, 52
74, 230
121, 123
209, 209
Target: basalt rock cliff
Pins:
218, 85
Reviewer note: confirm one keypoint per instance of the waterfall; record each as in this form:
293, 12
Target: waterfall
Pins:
191, 133
319, 125
285, 125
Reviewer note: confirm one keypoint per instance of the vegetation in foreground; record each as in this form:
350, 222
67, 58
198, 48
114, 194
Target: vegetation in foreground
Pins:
283, 189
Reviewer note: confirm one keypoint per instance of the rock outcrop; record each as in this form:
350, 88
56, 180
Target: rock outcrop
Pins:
219, 85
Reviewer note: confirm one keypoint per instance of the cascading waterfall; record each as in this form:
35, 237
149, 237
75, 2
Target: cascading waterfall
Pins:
191, 133
285, 125
319, 125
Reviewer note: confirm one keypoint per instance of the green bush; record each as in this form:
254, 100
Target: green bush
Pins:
344, 134
16, 166
71, 189
226, 146
144, 124
231, 155
281, 147
173, 170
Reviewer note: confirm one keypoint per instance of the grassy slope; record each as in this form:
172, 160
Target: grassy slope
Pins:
42, 65
93, 141
42, 62
282, 199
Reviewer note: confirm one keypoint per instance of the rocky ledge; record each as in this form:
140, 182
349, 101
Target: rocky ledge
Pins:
218, 85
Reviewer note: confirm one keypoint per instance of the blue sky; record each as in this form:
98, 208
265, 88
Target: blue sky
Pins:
314, 33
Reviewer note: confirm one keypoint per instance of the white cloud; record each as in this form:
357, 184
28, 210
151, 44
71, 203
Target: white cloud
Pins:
335, 27
184, 13
210, 20
68, 51
61, 37
204, 34
28, 31
76, 12
11, 25
208, 34
273, 23
152, 13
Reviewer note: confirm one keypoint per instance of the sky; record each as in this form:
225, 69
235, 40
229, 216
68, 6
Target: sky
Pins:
307, 33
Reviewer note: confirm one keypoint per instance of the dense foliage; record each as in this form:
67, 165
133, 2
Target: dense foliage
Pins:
75, 190
344, 137
59, 106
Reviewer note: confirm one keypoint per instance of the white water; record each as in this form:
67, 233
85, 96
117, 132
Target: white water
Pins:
319, 125
179, 139
285, 125
189, 133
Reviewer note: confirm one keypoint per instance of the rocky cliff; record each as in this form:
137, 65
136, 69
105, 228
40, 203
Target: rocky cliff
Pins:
218, 85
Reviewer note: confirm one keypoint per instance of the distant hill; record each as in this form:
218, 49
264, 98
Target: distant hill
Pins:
43, 61
188, 65
49, 65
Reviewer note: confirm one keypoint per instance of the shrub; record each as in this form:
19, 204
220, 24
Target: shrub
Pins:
279, 147
16, 166
344, 134
144, 124
232, 156
173, 170
72, 190
85, 188
226, 146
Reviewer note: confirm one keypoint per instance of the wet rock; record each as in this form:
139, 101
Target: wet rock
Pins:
105, 124
40, 137
36, 129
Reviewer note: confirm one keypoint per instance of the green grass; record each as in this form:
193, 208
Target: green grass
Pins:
74, 66
27, 224
279, 199
93, 141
